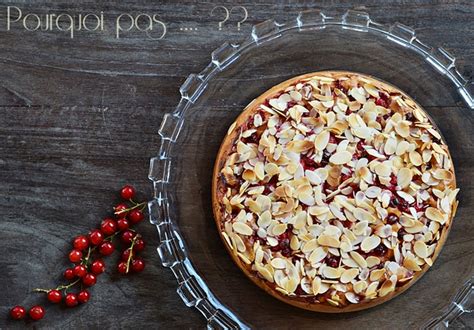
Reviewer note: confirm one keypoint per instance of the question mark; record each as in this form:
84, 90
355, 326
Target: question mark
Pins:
246, 15
226, 17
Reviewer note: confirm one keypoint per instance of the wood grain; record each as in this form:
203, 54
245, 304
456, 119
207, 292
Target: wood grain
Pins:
78, 118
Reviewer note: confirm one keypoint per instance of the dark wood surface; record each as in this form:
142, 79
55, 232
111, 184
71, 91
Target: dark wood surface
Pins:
78, 118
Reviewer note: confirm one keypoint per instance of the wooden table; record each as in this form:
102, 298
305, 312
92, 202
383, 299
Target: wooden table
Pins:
79, 119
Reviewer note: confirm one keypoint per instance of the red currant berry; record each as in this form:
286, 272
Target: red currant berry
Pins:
127, 236
71, 300
96, 237
122, 224
69, 274
97, 267
125, 255
75, 256
55, 296
36, 312
80, 271
83, 296
138, 265
17, 312
108, 226
89, 280
139, 245
106, 248
122, 267
81, 243
127, 192
120, 210
136, 216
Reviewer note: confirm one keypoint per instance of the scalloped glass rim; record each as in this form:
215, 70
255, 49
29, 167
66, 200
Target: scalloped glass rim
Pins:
191, 287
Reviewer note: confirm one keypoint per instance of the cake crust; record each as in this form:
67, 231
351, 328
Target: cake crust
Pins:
261, 261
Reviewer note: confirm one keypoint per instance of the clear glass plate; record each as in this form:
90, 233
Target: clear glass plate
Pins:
211, 100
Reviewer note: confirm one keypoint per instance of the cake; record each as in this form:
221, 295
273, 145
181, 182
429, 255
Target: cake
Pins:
334, 191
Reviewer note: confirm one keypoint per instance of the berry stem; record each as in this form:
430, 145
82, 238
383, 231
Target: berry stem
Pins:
59, 288
137, 205
130, 256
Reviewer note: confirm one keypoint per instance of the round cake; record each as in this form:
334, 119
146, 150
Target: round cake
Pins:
334, 191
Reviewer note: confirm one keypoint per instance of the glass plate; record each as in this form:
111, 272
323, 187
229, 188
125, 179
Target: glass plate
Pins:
211, 100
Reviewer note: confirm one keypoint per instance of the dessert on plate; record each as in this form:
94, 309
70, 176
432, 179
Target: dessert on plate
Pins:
334, 191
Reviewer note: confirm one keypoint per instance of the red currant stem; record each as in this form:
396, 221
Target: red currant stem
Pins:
111, 237
86, 259
130, 256
61, 287
142, 205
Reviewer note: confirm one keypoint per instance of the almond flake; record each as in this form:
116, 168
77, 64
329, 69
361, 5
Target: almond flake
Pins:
358, 258
402, 147
279, 229
410, 264
330, 272
259, 170
349, 274
299, 146
420, 249
341, 157
322, 140
278, 263
415, 158
316, 285
383, 170
404, 177
370, 243
242, 228
317, 255
376, 274
309, 246
442, 174
434, 214
403, 128
330, 241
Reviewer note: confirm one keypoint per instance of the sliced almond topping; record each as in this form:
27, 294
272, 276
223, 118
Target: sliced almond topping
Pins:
259, 170
349, 274
383, 170
316, 285
402, 147
360, 286
309, 246
242, 228
363, 215
317, 255
330, 272
376, 274
420, 249
372, 261
410, 264
442, 174
403, 128
299, 146
358, 258
434, 214
415, 158
264, 219
264, 272
279, 229
404, 177
278, 263
322, 140
341, 157
330, 241
387, 287
370, 243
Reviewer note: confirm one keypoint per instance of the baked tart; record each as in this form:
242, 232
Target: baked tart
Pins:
334, 191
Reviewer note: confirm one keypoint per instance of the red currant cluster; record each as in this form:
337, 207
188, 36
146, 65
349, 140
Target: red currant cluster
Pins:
88, 250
